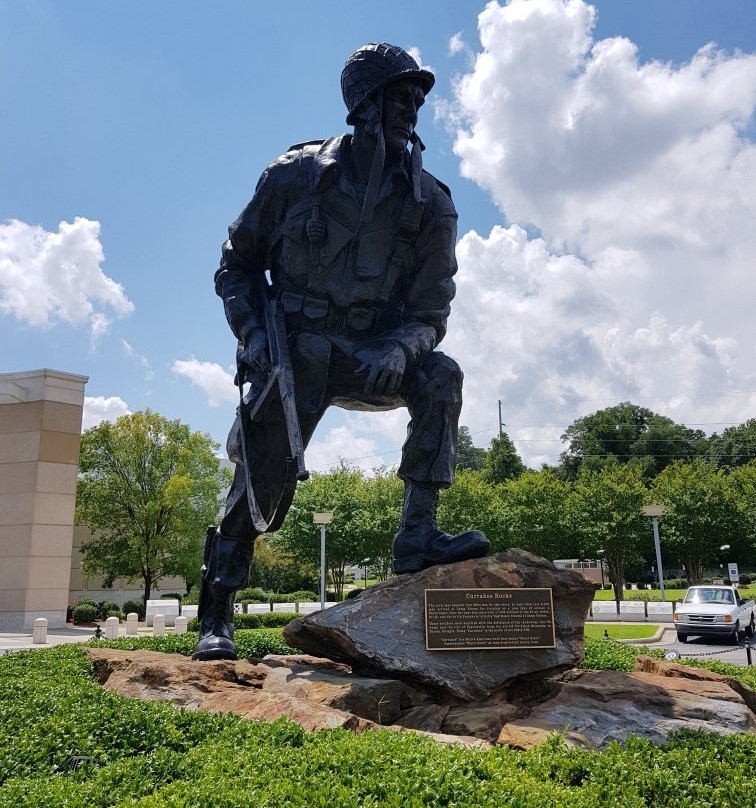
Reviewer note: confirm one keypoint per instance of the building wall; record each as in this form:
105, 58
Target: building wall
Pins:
121, 591
40, 432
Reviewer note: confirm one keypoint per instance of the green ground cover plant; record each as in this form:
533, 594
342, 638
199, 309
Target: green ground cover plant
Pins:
150, 755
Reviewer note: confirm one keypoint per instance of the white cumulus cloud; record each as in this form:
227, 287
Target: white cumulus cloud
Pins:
102, 408
640, 179
210, 377
47, 277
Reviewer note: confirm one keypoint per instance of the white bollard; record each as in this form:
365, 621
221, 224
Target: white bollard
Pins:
39, 636
181, 624
158, 625
132, 622
111, 628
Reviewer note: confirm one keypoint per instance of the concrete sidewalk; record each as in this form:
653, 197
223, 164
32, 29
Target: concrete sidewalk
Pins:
21, 640
18, 640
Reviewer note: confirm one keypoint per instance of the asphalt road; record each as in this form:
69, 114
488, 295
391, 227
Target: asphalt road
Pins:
707, 648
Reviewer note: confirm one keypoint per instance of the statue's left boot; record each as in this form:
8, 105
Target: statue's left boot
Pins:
225, 570
420, 543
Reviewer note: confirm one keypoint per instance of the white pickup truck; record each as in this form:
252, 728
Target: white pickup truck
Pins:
715, 610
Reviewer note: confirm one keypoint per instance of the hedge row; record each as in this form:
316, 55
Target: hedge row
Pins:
245, 621
149, 755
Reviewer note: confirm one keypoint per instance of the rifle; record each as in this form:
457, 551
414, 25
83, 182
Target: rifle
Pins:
280, 381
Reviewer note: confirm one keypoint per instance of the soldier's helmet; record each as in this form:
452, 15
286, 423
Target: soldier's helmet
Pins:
372, 67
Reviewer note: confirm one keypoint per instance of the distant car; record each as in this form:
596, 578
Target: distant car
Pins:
717, 610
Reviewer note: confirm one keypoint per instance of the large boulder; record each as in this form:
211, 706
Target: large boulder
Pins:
382, 632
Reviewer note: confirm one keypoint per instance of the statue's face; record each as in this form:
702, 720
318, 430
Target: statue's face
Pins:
401, 101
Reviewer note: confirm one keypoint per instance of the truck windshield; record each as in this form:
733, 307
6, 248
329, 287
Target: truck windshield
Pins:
706, 594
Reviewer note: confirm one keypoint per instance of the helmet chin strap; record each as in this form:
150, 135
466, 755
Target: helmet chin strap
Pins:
416, 160
374, 125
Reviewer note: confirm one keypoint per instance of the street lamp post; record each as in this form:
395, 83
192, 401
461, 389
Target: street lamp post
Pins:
324, 518
600, 554
655, 511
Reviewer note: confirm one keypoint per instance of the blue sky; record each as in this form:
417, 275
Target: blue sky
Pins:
602, 170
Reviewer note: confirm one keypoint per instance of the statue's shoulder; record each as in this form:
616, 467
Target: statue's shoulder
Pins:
302, 159
434, 184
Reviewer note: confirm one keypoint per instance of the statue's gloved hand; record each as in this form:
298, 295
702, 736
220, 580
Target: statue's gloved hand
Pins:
384, 363
252, 356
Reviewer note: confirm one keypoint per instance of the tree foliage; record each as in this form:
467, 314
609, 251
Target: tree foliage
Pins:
502, 462
701, 514
383, 499
736, 446
627, 433
535, 513
469, 456
473, 503
274, 570
148, 488
606, 520
340, 491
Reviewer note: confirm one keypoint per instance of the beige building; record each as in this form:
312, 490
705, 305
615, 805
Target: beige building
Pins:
82, 587
40, 432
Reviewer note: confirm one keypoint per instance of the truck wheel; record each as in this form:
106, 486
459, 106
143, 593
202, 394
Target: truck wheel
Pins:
751, 630
682, 637
735, 636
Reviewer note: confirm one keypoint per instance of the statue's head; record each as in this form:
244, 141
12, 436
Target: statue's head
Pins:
370, 70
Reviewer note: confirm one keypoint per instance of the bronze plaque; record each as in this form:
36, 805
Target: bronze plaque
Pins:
485, 619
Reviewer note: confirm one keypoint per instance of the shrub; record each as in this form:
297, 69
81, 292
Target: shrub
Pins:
105, 606
191, 598
149, 754
676, 583
303, 596
85, 613
115, 613
251, 595
134, 606
247, 621
172, 596
745, 578
86, 601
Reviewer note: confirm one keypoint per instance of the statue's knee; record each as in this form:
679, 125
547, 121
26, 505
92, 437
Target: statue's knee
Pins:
440, 377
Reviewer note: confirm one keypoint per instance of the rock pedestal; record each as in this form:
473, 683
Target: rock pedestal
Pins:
590, 708
382, 632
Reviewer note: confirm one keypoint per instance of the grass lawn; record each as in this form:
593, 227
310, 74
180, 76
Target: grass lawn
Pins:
621, 632
654, 594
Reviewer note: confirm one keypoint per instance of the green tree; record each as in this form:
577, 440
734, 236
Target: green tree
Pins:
469, 456
472, 503
736, 446
701, 514
274, 570
535, 510
502, 462
605, 515
383, 499
342, 492
628, 434
148, 488
741, 483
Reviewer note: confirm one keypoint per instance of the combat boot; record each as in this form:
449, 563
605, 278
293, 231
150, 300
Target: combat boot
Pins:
420, 544
225, 570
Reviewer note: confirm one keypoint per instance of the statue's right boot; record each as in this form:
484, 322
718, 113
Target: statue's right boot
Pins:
420, 544
225, 570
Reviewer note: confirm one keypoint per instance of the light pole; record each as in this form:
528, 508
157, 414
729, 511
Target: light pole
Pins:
600, 554
322, 519
655, 511
365, 565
